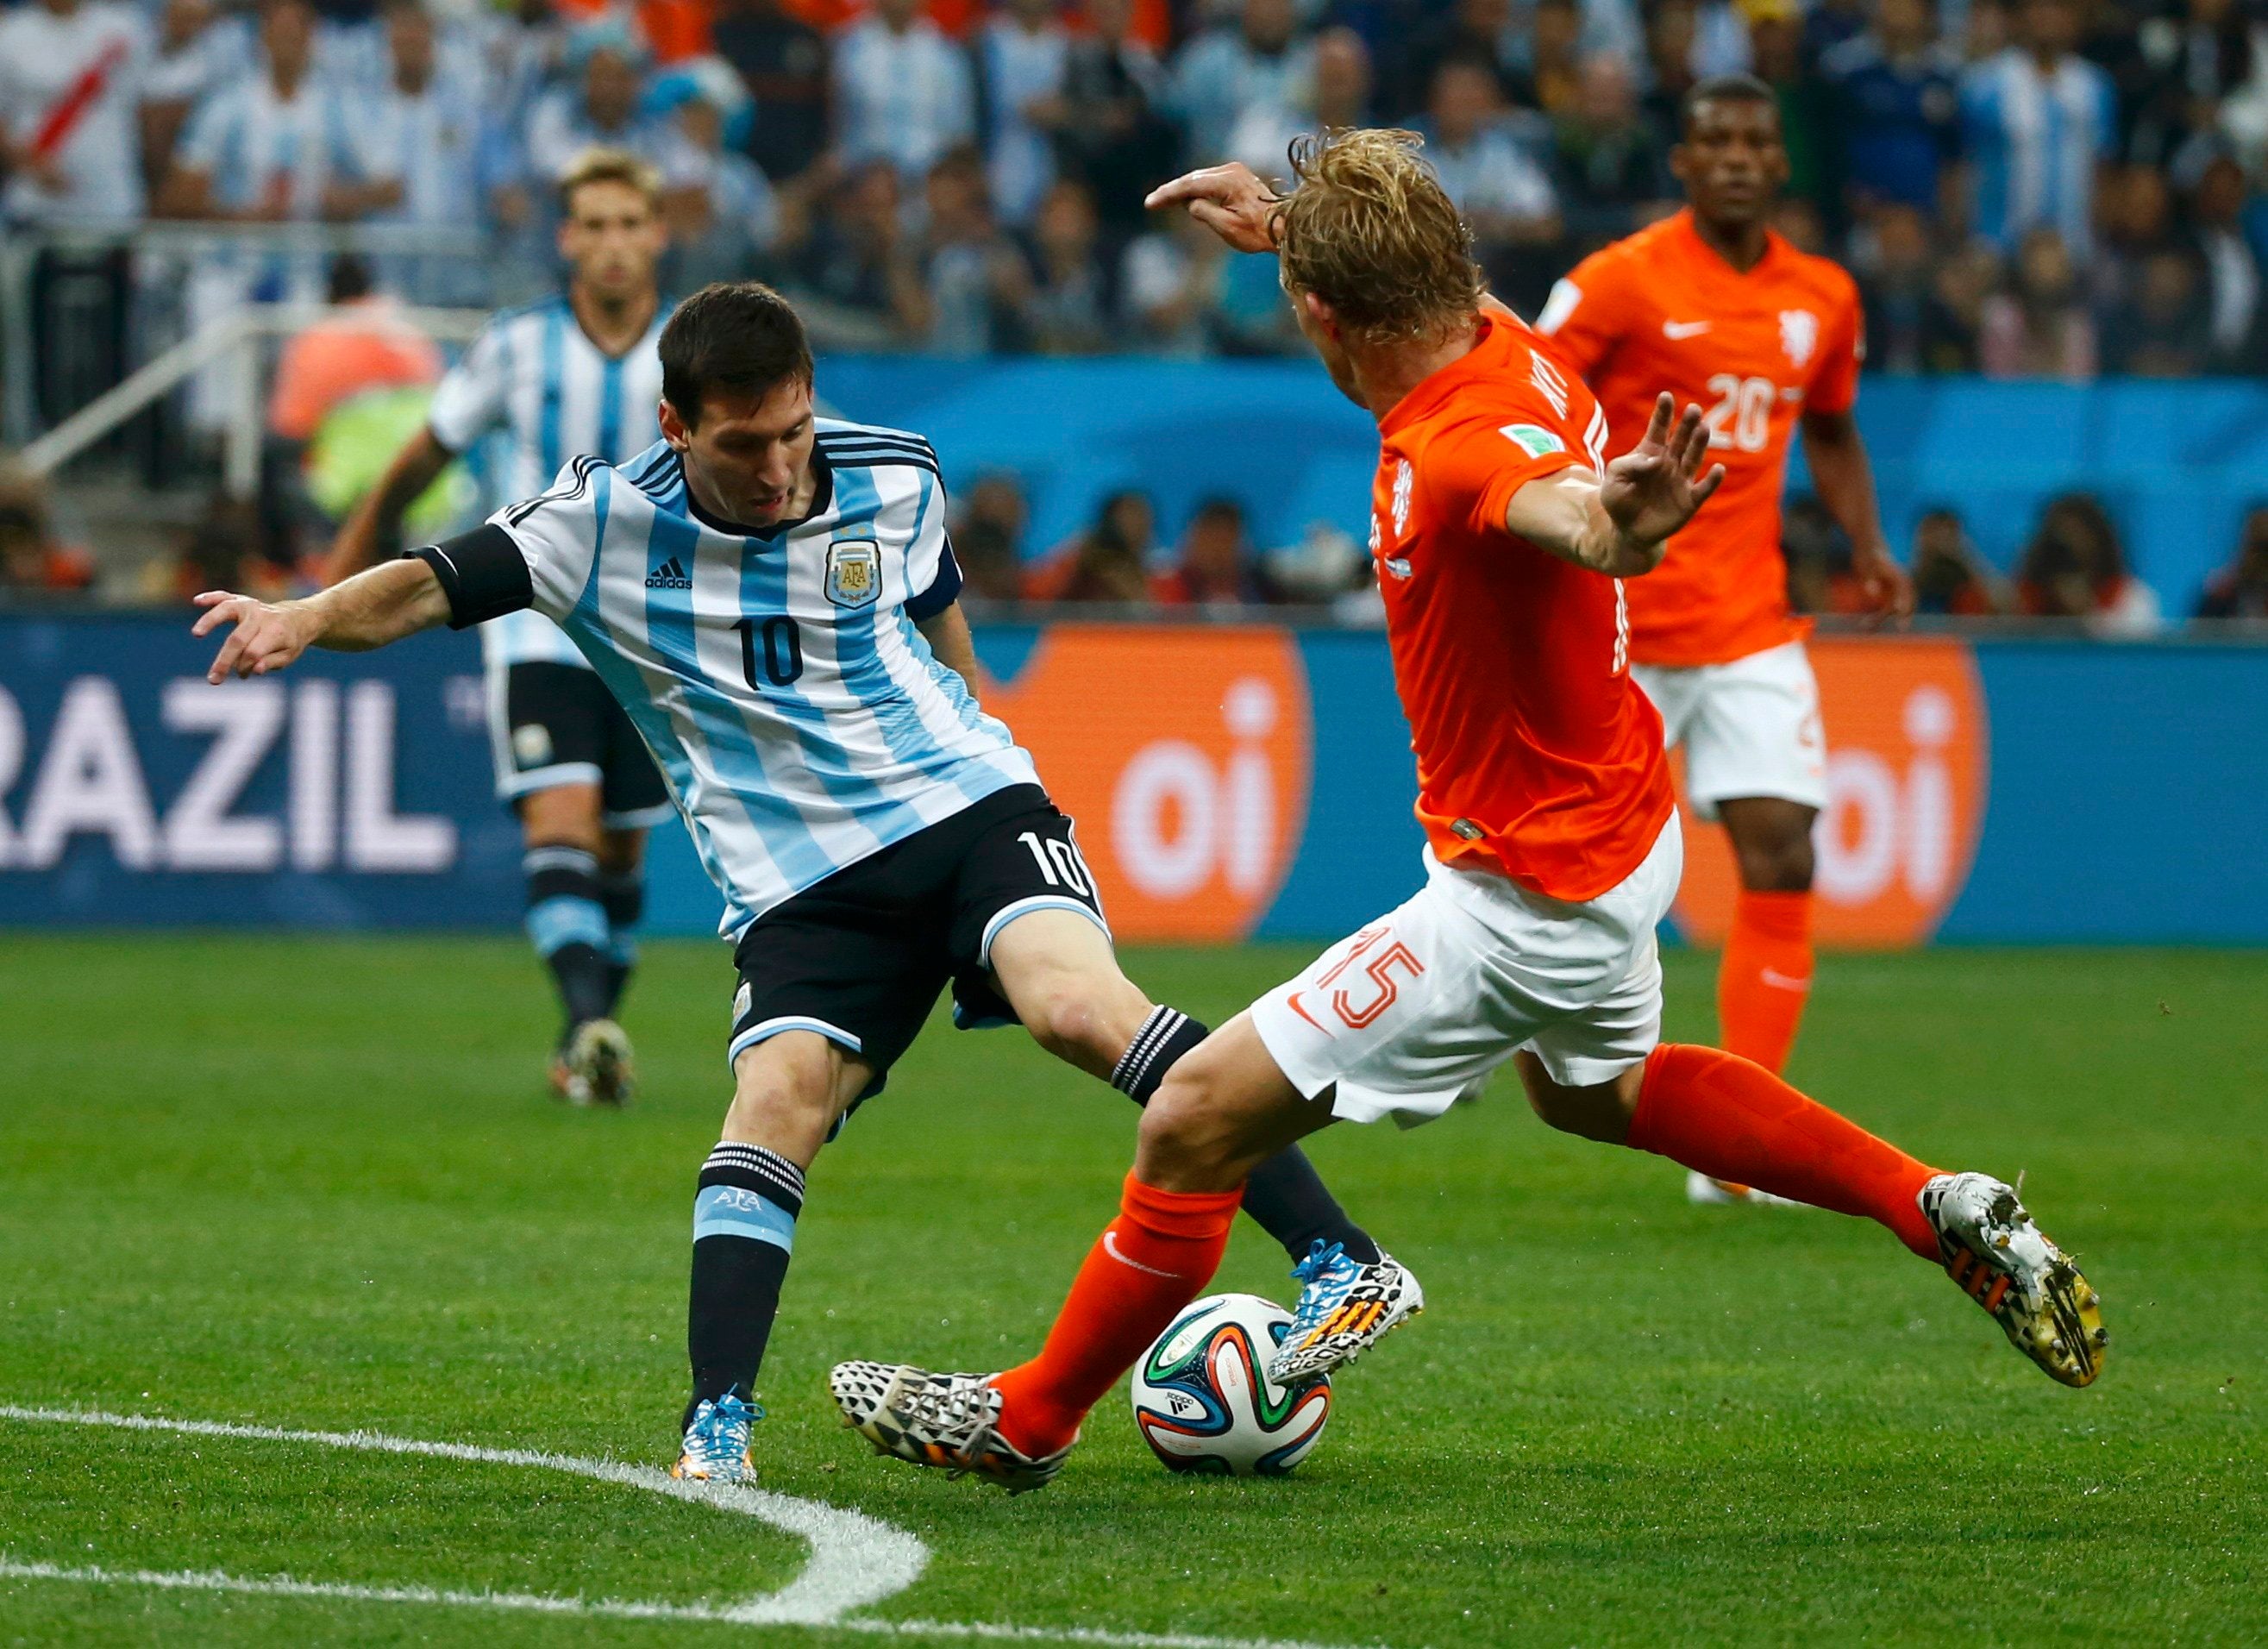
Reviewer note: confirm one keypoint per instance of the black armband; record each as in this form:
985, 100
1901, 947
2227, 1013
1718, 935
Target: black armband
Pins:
482, 573
943, 590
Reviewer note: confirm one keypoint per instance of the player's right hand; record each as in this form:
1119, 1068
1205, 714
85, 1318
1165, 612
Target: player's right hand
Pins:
1232, 201
268, 635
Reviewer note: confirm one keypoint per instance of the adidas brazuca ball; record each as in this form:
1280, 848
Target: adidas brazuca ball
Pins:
1204, 1403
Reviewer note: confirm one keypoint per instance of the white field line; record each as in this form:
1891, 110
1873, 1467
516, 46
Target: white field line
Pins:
856, 1561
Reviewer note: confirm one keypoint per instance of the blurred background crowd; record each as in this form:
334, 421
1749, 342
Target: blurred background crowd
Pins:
2046, 189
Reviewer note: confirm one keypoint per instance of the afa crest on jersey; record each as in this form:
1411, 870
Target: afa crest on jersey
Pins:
854, 572
1799, 335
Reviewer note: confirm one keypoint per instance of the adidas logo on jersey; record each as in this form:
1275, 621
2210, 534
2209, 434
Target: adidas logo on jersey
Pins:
668, 576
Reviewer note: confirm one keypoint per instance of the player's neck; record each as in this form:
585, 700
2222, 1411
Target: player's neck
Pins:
1384, 376
613, 324
1742, 245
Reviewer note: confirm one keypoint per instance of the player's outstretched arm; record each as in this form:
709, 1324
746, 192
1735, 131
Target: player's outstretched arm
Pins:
378, 607
1618, 523
1232, 201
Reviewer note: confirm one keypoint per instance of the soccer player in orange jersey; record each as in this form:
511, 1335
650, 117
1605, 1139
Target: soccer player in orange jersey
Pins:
1503, 538
1713, 306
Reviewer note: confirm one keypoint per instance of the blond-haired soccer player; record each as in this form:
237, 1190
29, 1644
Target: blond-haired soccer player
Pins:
1502, 539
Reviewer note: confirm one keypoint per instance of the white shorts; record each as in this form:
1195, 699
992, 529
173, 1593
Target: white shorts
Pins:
1751, 727
1415, 1011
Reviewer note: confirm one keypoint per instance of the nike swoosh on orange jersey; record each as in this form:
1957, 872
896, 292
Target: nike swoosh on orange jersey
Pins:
1110, 1247
1684, 329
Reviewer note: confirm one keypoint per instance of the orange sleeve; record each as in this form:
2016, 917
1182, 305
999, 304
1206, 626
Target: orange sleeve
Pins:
1835, 389
1586, 312
1470, 470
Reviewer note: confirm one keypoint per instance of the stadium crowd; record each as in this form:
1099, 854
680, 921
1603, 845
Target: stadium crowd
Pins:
2047, 188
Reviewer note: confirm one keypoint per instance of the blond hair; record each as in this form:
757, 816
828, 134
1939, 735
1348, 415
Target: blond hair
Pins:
1369, 230
609, 165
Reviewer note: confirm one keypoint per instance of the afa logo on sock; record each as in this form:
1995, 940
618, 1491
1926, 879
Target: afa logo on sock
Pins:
1907, 778
1184, 755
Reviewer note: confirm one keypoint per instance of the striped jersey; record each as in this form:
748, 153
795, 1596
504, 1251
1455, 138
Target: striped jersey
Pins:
539, 392
801, 721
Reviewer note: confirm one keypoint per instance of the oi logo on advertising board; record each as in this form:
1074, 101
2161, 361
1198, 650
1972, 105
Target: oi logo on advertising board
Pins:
1906, 783
1183, 754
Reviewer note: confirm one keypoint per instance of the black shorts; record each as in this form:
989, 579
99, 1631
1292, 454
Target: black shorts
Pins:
861, 957
557, 724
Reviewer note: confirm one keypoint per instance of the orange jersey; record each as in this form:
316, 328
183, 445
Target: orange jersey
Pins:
1756, 351
1537, 755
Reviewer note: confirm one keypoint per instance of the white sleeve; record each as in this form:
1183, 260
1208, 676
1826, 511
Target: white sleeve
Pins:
557, 534
469, 402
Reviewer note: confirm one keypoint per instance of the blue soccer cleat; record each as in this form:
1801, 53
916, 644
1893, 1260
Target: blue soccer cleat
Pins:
1345, 1308
716, 1447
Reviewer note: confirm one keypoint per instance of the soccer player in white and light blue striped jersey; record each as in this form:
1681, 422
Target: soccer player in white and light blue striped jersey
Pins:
576, 374
772, 598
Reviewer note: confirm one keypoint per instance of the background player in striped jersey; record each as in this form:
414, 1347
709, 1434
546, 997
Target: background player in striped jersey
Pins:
772, 598
577, 373
1713, 306
1502, 540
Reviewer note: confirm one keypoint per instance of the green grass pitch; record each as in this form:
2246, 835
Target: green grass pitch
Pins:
314, 1184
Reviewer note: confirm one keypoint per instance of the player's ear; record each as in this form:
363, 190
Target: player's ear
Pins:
1321, 312
674, 429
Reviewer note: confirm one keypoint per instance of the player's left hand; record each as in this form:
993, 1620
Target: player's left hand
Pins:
1652, 490
268, 636
1889, 592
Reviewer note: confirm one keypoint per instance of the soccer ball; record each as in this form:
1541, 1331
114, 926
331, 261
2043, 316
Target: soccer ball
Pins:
1204, 1403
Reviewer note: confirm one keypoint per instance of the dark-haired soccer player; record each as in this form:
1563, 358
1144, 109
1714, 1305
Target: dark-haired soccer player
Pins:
577, 372
1503, 537
772, 598
1713, 306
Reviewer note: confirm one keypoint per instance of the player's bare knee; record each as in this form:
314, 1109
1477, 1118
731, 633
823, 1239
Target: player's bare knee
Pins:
786, 1095
1071, 1024
1188, 1132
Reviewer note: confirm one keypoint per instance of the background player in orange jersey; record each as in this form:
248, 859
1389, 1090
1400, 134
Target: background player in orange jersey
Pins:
1503, 538
1713, 306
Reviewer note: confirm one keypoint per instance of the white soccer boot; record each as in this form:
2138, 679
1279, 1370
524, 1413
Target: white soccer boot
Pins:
1344, 1309
716, 1448
951, 1421
2007, 1264
598, 1066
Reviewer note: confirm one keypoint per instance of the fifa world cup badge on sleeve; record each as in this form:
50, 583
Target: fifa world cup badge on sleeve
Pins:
854, 572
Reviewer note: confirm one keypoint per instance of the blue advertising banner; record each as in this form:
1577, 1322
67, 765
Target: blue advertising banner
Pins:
1229, 782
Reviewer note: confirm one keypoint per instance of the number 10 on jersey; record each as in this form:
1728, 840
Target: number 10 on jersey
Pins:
772, 649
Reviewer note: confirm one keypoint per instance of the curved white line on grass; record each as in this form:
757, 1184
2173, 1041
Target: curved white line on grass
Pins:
856, 1561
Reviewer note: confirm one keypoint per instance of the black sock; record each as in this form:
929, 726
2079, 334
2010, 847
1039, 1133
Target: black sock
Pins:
744, 1215
567, 924
1284, 1195
624, 898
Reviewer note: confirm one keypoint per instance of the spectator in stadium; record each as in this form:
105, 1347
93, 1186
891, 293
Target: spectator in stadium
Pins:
973, 277
1480, 31
1108, 127
2037, 121
1951, 578
903, 91
1818, 553
263, 148
1552, 79
1067, 307
33, 559
1776, 55
1223, 72
723, 214
1609, 156
414, 156
1023, 57
2232, 274
1337, 93
192, 57
2239, 590
1214, 565
519, 49
2040, 327
1672, 27
2174, 71
1953, 328
69, 137
2163, 327
783, 62
988, 537
1166, 281
2134, 223
1895, 285
1503, 194
2075, 567
855, 266
1108, 563
1895, 103
597, 109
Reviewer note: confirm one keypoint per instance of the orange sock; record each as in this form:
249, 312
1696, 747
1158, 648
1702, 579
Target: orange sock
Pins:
1765, 976
1151, 1261
1735, 1121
